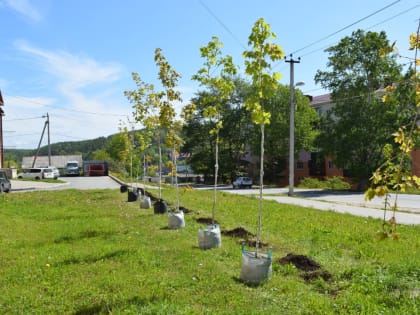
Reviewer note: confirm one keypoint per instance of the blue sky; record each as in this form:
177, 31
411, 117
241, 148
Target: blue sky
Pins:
73, 59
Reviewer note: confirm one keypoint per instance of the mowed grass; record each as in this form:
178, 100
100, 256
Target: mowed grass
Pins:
92, 252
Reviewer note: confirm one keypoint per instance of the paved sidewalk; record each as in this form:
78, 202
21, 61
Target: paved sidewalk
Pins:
402, 217
342, 202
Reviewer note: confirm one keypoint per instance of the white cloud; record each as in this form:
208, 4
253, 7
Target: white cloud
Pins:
18, 103
25, 8
83, 101
74, 71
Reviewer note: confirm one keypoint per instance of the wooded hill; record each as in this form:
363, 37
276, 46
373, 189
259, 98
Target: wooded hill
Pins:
85, 148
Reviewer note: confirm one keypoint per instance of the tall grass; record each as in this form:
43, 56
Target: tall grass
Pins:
92, 252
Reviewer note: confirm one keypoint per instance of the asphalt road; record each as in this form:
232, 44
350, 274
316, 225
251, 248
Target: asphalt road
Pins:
77, 182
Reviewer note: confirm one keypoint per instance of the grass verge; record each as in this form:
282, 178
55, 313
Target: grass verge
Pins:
92, 252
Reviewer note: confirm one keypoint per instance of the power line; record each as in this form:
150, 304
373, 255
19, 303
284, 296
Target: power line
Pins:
394, 16
222, 24
346, 27
29, 118
22, 135
370, 27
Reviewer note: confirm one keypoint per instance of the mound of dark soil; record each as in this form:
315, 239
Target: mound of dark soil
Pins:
311, 269
301, 262
206, 221
185, 210
238, 232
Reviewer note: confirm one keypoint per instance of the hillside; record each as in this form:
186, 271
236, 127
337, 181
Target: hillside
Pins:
85, 148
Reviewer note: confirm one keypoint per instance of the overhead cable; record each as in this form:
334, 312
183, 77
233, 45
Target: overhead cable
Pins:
346, 27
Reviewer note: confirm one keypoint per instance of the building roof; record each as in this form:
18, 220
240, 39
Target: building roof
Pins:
58, 161
321, 99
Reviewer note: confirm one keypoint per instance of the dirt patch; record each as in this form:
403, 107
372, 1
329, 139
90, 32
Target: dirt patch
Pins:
312, 275
238, 232
311, 269
185, 210
206, 221
301, 262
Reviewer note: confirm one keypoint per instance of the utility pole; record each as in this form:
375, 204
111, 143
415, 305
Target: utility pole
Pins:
47, 124
49, 142
292, 126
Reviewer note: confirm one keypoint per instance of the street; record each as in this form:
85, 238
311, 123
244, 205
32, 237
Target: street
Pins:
76, 182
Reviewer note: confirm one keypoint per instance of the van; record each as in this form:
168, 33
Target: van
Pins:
72, 168
34, 173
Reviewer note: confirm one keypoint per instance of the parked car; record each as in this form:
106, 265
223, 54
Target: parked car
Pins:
5, 184
242, 182
34, 173
51, 172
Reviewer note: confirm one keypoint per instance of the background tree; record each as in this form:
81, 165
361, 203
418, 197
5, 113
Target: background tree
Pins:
232, 139
264, 81
355, 130
101, 154
215, 75
166, 118
118, 150
155, 110
277, 132
395, 172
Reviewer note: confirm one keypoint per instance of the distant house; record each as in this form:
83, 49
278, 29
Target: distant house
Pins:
59, 161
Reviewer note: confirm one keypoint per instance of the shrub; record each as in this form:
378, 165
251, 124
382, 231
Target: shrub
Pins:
335, 183
309, 182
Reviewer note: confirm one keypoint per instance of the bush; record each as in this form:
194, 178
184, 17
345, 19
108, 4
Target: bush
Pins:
334, 183
337, 183
309, 182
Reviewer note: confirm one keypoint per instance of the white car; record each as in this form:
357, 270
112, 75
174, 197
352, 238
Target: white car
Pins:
51, 172
242, 182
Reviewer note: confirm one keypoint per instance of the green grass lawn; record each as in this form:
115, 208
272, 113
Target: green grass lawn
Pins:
92, 252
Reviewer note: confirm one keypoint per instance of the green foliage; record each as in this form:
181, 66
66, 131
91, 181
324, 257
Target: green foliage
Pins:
333, 183
310, 182
101, 155
91, 252
277, 132
395, 172
231, 143
216, 76
355, 130
258, 66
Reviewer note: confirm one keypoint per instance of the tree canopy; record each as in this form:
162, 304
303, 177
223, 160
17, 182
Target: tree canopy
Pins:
355, 130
